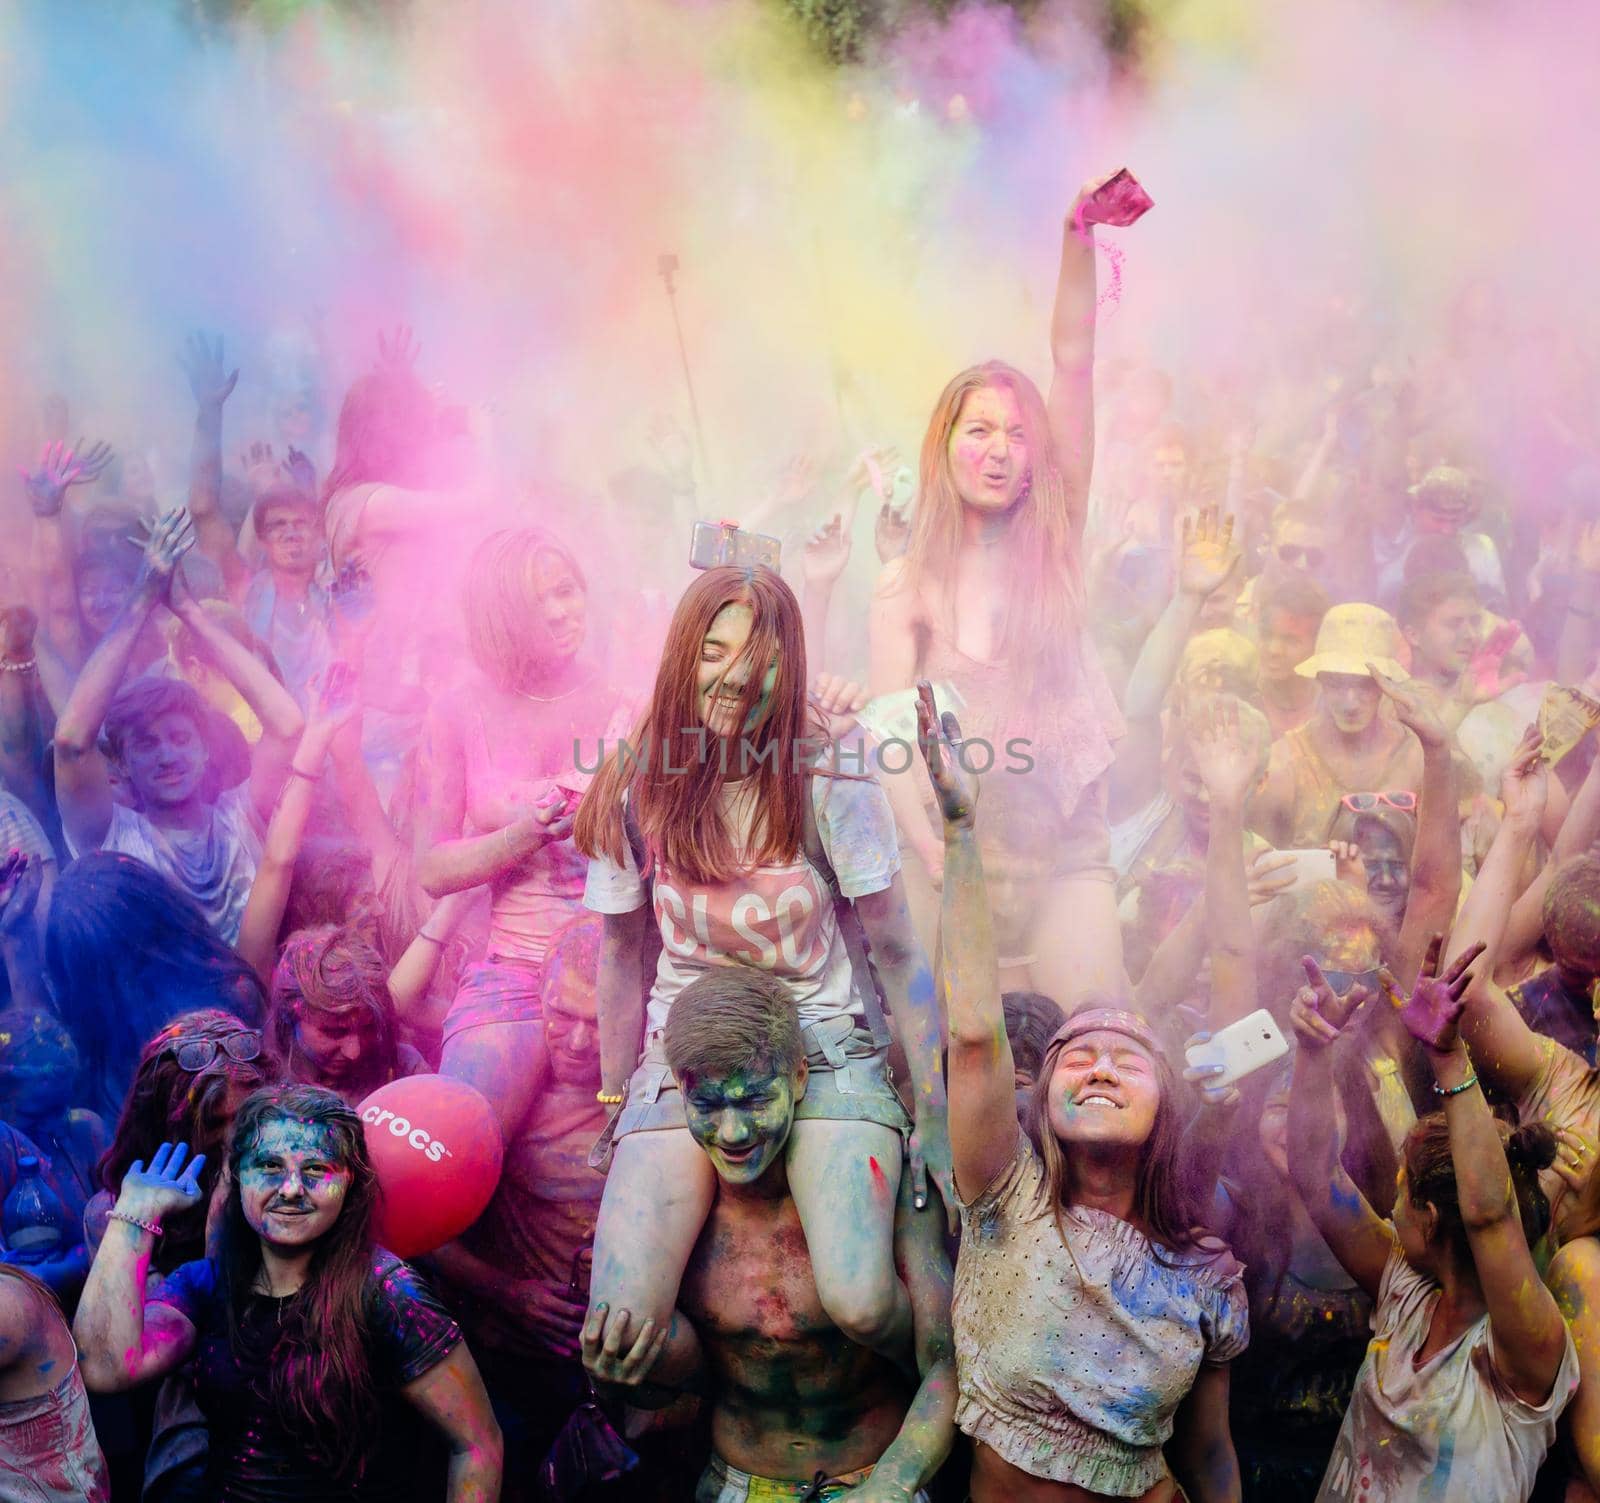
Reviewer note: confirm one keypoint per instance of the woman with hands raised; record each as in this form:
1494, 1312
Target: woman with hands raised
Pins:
1093, 1353
1471, 1363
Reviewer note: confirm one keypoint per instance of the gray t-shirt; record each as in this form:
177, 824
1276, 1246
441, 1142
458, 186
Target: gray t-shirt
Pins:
216, 865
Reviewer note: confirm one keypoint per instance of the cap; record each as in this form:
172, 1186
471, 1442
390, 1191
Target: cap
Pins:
1350, 637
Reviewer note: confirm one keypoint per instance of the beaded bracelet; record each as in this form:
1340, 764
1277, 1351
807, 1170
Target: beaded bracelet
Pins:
153, 1227
1456, 1090
27, 666
610, 1098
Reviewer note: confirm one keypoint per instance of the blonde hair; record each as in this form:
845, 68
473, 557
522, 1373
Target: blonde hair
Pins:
501, 635
1046, 614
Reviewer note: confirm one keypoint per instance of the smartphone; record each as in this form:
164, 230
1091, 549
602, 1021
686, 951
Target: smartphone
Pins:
715, 543
1310, 867
1241, 1049
1119, 201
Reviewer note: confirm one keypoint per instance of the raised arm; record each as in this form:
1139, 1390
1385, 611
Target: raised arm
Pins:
1228, 765
202, 362
826, 553
271, 703
1530, 1336
269, 893
124, 1341
413, 972
1436, 858
1359, 1239
983, 1108
21, 880
59, 469
83, 789
1070, 404
1502, 1044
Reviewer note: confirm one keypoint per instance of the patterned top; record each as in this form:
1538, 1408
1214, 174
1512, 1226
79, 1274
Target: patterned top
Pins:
1074, 1354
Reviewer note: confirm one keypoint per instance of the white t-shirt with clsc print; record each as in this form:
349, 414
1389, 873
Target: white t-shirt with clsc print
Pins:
778, 918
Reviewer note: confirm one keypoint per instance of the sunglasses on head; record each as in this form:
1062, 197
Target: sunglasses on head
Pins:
1402, 799
1344, 982
1301, 558
197, 1054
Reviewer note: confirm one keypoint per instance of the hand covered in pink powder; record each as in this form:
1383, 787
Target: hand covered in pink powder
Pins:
1117, 200
1432, 1013
939, 738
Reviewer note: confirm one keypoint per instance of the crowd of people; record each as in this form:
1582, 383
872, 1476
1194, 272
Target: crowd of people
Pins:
1124, 979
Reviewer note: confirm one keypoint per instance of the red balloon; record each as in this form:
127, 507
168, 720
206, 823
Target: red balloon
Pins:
436, 1149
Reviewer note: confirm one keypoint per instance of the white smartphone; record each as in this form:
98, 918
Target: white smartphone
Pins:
1311, 867
1241, 1049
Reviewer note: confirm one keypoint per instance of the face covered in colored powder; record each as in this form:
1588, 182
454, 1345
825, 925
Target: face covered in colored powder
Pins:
1104, 1091
289, 536
988, 450
291, 1183
166, 759
1351, 700
102, 594
1446, 640
570, 1027
1286, 640
334, 1048
38, 1067
724, 672
742, 1119
1388, 873
559, 605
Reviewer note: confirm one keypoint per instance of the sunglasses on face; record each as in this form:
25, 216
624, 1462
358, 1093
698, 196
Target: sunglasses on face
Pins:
1402, 799
1344, 982
197, 1054
1301, 558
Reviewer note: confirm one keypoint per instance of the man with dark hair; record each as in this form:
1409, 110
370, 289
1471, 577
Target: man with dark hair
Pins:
798, 1409
174, 805
1289, 607
1439, 615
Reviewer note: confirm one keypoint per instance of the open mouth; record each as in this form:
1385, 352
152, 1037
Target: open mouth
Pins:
1098, 1101
737, 1155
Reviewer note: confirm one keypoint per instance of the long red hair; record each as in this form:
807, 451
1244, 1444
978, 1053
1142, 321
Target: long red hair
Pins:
1045, 615
673, 769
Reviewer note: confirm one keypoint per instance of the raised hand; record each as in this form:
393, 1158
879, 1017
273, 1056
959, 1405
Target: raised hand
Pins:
211, 383
891, 532
260, 467
1201, 1076
827, 552
166, 1187
1525, 784
1209, 555
839, 701
939, 739
1115, 199
1413, 708
21, 877
1486, 676
1318, 1013
796, 480
60, 468
398, 351
334, 701
1349, 865
874, 470
353, 601
165, 544
1432, 1013
610, 1357
301, 473
1228, 764
1270, 874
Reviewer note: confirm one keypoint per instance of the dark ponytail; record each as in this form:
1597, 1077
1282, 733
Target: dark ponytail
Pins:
1431, 1175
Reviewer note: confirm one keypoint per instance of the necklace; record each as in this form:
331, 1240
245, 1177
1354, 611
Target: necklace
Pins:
550, 699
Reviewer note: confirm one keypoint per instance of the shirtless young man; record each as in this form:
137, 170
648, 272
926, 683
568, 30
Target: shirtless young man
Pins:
798, 1409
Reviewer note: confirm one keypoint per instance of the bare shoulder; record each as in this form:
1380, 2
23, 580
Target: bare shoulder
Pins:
897, 587
1574, 1276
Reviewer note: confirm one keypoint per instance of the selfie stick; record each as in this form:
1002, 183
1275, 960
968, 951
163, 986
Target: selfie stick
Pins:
667, 269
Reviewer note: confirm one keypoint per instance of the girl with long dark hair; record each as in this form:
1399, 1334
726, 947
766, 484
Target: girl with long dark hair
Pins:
125, 952
1471, 1363
1094, 1325
311, 1346
499, 790
709, 805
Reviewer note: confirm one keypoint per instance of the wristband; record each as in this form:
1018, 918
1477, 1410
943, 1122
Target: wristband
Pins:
610, 1098
153, 1227
310, 777
432, 939
1456, 1090
24, 667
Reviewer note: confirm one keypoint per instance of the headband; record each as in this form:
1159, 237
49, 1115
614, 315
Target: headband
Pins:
1107, 1020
